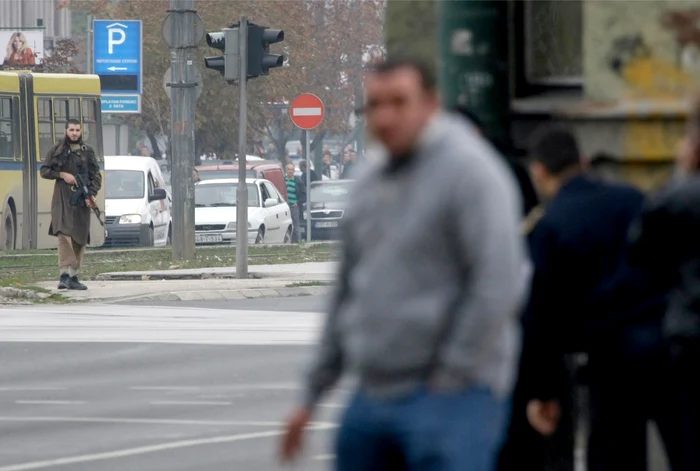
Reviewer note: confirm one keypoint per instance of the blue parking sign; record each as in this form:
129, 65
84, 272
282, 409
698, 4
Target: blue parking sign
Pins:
118, 56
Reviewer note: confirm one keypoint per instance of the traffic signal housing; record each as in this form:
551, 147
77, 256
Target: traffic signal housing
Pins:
227, 42
260, 61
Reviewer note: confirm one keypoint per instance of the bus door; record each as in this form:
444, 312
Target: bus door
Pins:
29, 167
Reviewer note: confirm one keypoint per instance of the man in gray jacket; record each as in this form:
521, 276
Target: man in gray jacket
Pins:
430, 287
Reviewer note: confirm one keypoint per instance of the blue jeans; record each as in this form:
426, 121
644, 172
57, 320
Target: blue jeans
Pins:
426, 431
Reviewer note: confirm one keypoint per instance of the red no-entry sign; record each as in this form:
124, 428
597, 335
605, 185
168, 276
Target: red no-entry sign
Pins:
307, 111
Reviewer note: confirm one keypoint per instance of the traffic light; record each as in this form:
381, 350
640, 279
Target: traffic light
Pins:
227, 42
259, 58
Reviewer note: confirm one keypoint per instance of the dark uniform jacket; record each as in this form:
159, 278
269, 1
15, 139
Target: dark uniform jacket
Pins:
666, 240
73, 221
584, 292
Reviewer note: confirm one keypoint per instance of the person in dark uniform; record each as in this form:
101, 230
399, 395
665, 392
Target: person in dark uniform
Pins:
665, 240
585, 297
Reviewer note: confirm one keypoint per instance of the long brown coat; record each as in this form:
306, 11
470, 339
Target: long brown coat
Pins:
73, 221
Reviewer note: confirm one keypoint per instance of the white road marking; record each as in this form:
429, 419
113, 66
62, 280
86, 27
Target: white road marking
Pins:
323, 458
125, 420
306, 111
332, 406
38, 388
190, 403
163, 325
165, 388
143, 450
47, 402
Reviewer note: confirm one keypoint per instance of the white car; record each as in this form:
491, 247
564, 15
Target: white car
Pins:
269, 216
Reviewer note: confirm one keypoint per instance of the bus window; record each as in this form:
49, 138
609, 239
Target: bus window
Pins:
90, 124
46, 136
74, 108
60, 113
7, 151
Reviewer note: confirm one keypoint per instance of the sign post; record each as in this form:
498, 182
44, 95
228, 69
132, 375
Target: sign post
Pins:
117, 59
307, 112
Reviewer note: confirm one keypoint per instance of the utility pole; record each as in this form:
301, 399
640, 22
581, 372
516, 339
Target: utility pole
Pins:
182, 31
242, 193
473, 38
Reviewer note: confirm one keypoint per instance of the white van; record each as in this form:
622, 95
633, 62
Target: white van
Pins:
137, 206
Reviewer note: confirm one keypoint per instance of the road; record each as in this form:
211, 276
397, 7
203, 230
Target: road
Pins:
175, 386
104, 388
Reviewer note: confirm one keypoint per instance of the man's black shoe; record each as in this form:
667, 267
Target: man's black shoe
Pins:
73, 283
63, 282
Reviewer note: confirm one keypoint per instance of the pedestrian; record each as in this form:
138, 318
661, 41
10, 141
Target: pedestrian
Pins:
330, 169
349, 161
665, 241
313, 176
585, 297
70, 223
296, 195
426, 306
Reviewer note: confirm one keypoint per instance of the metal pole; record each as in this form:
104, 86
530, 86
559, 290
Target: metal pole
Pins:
307, 148
182, 86
90, 43
242, 193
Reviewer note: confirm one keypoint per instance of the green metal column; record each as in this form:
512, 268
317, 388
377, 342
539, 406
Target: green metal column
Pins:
473, 66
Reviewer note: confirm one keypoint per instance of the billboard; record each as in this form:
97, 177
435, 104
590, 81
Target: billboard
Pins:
21, 49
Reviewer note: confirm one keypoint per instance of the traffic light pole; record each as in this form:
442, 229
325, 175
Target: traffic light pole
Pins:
242, 193
182, 104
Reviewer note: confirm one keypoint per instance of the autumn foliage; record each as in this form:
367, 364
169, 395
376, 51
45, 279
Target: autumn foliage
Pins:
324, 44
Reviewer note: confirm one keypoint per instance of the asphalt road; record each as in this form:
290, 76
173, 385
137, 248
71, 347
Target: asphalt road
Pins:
172, 386
104, 388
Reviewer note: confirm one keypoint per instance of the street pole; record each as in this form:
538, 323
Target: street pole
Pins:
182, 103
473, 39
307, 148
242, 193
90, 44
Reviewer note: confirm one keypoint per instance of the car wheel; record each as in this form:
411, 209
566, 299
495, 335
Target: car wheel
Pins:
9, 230
288, 236
169, 240
150, 240
260, 238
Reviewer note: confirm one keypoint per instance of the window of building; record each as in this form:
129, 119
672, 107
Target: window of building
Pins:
553, 42
90, 123
7, 131
46, 134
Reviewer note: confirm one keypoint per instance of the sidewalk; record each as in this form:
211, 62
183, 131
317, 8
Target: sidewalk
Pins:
200, 284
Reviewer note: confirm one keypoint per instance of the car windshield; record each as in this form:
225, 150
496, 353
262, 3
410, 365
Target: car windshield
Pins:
329, 192
218, 174
220, 194
124, 184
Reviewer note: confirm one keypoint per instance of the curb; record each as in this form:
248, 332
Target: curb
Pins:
223, 295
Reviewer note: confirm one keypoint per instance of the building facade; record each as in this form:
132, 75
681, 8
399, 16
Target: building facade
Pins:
29, 14
618, 72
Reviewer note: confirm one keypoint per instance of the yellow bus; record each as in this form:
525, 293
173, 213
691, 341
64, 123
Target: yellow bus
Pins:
34, 108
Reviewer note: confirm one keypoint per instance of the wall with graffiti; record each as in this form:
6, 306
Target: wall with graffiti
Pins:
641, 50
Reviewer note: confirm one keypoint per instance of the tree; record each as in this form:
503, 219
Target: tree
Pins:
323, 41
62, 58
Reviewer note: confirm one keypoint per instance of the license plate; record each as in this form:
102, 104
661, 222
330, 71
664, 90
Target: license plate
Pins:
325, 224
207, 238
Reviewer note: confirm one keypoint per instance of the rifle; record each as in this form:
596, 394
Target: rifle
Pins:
80, 194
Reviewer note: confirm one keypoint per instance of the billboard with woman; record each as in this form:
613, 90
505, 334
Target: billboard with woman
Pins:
21, 49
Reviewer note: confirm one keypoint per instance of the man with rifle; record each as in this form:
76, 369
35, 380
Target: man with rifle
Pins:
74, 167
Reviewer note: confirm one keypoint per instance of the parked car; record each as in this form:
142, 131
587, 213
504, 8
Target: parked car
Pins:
269, 216
137, 210
270, 170
328, 201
